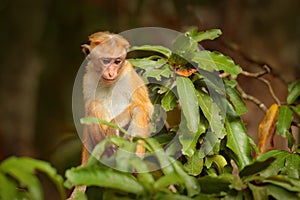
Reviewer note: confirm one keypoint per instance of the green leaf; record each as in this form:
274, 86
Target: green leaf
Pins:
296, 109
236, 100
106, 178
155, 48
219, 161
204, 35
215, 184
212, 82
144, 177
194, 164
188, 139
165, 181
285, 182
211, 61
188, 102
124, 155
159, 73
23, 169
256, 167
144, 63
211, 112
8, 188
183, 47
277, 165
237, 138
260, 193
191, 184
280, 193
283, 125
93, 120
171, 196
292, 164
24, 175
294, 92
161, 156
169, 101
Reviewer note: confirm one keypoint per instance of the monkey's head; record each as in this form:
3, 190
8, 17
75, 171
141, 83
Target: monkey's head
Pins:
107, 52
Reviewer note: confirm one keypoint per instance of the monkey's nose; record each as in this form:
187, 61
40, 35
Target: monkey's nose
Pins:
110, 74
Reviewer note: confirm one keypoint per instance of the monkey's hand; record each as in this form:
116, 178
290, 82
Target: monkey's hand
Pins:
140, 149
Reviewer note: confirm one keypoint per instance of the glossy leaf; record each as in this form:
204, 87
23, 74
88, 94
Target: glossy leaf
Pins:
296, 109
294, 92
188, 102
155, 48
165, 181
23, 170
215, 184
171, 196
169, 101
259, 192
7, 187
292, 164
266, 129
236, 100
211, 61
194, 164
158, 74
183, 47
213, 83
212, 113
277, 165
107, 178
218, 160
256, 167
280, 193
204, 35
190, 182
283, 125
237, 139
189, 139
93, 120
144, 63
161, 156
285, 182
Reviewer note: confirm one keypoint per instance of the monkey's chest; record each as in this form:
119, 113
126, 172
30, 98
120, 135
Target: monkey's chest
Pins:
115, 101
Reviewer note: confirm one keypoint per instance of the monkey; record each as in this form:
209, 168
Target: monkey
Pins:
114, 92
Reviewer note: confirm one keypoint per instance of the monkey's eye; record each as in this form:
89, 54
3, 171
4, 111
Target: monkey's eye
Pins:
106, 61
118, 61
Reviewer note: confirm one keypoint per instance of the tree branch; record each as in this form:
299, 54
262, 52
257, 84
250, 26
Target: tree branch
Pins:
252, 98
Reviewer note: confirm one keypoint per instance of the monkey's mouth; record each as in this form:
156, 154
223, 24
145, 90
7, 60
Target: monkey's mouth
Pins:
108, 80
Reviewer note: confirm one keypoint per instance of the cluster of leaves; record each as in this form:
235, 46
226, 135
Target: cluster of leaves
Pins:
206, 155
19, 178
216, 152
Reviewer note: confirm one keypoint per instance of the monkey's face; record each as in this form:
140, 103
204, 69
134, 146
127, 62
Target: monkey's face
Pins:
110, 68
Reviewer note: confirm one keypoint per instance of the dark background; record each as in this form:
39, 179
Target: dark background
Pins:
40, 56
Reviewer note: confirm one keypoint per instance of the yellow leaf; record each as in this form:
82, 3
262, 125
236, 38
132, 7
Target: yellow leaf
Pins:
266, 129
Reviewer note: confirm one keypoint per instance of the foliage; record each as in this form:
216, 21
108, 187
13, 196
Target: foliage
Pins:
216, 159
18, 178
207, 154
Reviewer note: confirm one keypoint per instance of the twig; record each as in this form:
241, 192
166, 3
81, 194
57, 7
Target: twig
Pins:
254, 60
252, 98
258, 74
265, 81
270, 89
296, 124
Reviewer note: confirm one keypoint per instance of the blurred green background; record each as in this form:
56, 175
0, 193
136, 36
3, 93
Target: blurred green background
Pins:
41, 54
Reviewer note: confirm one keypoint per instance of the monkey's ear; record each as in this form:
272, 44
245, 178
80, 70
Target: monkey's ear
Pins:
86, 49
127, 47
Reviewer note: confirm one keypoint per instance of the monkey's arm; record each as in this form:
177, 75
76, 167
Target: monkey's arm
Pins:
141, 110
